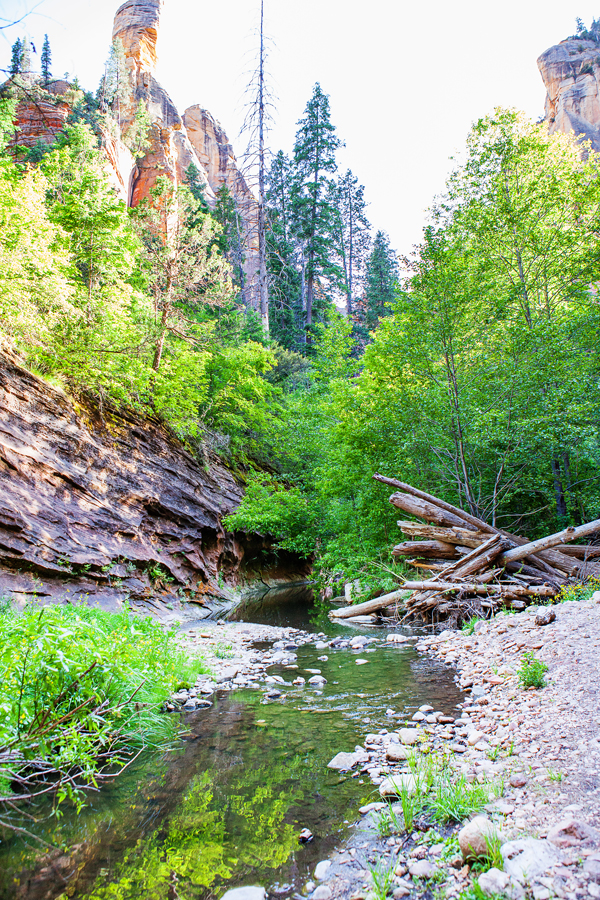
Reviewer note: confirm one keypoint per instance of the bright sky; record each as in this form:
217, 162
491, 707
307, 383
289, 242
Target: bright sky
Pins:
405, 80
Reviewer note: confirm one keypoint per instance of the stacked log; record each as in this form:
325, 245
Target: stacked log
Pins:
468, 559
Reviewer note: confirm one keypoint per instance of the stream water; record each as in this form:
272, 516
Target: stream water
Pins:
225, 807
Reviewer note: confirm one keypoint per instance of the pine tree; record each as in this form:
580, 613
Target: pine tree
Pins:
284, 257
353, 234
16, 63
313, 211
381, 280
114, 86
46, 61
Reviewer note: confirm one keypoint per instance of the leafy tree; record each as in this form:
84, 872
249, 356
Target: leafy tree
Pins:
313, 212
136, 137
46, 61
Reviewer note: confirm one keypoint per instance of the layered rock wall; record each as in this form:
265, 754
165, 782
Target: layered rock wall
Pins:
110, 507
571, 73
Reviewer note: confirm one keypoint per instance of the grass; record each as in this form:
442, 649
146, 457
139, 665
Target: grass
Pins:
81, 691
532, 671
454, 798
382, 876
223, 651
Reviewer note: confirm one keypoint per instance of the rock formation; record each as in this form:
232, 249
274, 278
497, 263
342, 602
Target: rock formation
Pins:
571, 73
113, 508
176, 142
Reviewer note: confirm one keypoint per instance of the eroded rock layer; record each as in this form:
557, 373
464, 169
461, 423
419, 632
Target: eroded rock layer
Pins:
571, 73
111, 507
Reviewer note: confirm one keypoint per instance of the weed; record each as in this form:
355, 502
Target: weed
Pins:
578, 591
223, 651
553, 775
494, 752
469, 627
412, 804
532, 670
388, 822
454, 798
382, 877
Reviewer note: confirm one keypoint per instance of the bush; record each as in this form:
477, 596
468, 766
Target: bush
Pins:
531, 672
81, 690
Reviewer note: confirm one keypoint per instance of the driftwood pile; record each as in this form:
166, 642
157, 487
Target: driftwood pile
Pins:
471, 565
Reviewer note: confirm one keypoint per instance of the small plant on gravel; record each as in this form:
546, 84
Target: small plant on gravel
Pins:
493, 857
553, 775
388, 822
223, 651
412, 804
454, 798
382, 876
469, 627
531, 672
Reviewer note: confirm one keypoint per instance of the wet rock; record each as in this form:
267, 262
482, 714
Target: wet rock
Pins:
361, 662
545, 615
305, 836
299, 680
273, 694
474, 836
323, 892
317, 679
397, 638
493, 882
422, 869
418, 717
245, 893
322, 868
409, 735
343, 762
395, 784
396, 753
369, 807
529, 858
320, 645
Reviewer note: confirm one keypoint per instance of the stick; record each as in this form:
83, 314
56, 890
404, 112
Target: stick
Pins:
362, 609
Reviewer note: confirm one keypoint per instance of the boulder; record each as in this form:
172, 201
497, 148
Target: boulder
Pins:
343, 762
570, 832
545, 615
396, 753
474, 837
409, 735
422, 869
529, 858
322, 868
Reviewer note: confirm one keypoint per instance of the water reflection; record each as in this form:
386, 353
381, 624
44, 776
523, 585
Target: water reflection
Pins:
227, 807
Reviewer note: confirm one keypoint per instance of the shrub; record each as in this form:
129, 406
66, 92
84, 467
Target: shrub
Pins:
531, 672
81, 690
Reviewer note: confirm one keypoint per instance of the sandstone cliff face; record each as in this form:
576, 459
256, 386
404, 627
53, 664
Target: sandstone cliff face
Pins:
571, 73
113, 508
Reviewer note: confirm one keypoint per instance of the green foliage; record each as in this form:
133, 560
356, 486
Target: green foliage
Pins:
136, 137
454, 798
531, 671
381, 283
382, 877
80, 689
16, 64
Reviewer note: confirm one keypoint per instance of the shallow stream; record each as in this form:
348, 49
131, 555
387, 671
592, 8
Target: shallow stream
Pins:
226, 806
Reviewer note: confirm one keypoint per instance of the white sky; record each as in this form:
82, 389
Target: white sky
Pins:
405, 80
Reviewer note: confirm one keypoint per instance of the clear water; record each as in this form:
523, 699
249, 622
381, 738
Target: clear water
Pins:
225, 808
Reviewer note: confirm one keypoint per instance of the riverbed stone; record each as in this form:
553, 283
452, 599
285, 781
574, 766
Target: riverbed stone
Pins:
317, 679
343, 762
494, 881
474, 836
545, 615
529, 858
245, 893
323, 892
409, 735
422, 869
322, 868
395, 784
396, 753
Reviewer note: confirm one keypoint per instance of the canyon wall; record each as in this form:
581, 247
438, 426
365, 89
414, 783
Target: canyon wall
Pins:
571, 73
113, 508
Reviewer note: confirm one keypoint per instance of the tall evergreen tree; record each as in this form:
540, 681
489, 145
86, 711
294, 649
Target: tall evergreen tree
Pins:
16, 62
284, 257
46, 61
114, 86
313, 211
381, 280
353, 234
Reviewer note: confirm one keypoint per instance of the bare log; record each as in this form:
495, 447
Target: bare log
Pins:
579, 551
425, 549
477, 559
453, 535
370, 606
424, 510
440, 504
473, 587
545, 543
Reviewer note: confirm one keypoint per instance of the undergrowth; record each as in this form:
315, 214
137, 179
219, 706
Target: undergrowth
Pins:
81, 691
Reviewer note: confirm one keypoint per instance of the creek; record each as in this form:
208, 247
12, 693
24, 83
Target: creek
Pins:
224, 807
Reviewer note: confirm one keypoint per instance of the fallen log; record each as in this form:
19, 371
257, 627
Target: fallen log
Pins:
453, 535
424, 510
474, 587
579, 551
545, 543
437, 549
440, 504
369, 606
